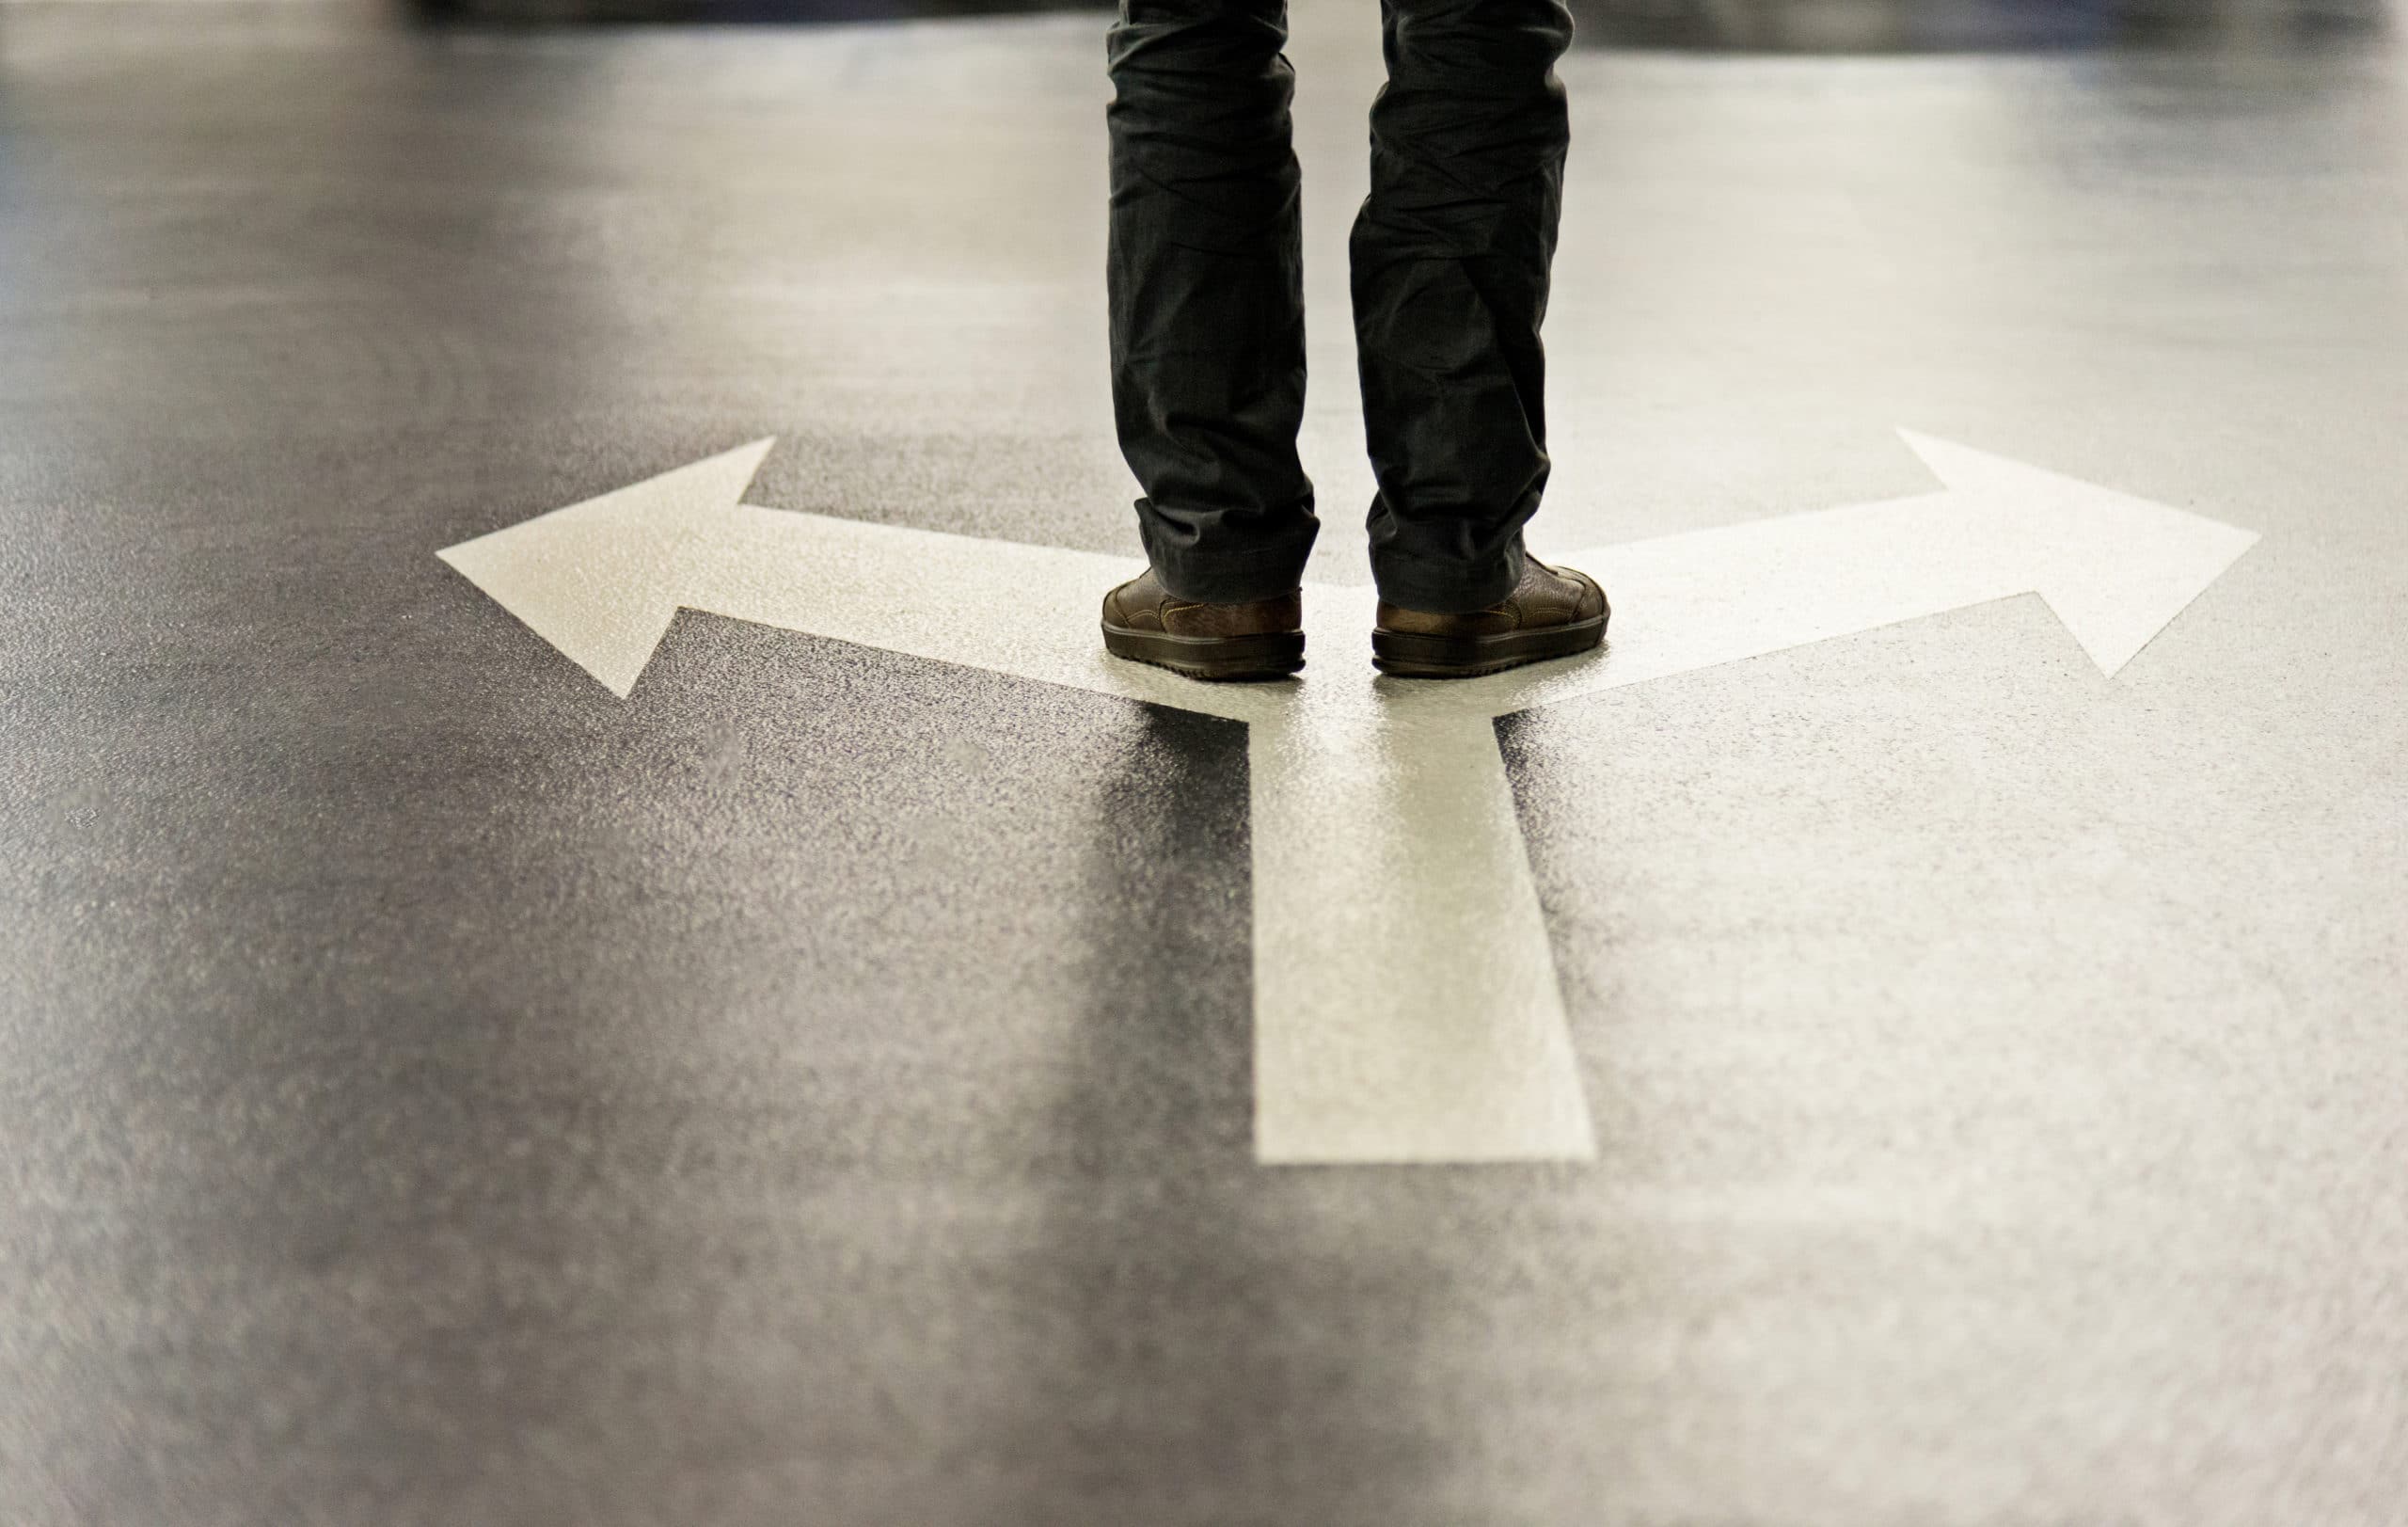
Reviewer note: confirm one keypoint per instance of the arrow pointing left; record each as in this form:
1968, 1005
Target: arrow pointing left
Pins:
602, 580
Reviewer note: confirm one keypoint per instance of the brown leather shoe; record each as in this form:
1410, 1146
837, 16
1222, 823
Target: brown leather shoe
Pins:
1552, 612
1146, 623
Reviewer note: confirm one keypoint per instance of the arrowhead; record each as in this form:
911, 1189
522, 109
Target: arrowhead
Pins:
601, 579
2115, 568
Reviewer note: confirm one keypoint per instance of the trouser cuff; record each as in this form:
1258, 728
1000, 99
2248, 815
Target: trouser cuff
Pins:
1220, 577
1447, 588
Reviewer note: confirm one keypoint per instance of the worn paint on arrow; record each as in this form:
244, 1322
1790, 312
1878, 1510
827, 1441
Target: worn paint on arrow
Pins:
1405, 1001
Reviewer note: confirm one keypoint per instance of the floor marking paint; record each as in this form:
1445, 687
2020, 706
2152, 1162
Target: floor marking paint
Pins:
1407, 1008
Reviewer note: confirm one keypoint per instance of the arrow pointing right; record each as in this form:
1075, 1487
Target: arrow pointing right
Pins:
2115, 568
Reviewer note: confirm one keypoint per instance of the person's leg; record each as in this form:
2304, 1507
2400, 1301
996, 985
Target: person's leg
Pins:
1205, 288
1450, 259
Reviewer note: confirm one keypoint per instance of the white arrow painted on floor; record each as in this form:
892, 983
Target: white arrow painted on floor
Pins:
1406, 1007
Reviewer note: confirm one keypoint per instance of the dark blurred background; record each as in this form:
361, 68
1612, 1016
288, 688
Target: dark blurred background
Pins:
1746, 25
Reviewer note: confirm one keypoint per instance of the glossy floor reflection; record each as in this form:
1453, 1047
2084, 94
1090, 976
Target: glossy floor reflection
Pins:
1812, 26
819, 1086
1855, 27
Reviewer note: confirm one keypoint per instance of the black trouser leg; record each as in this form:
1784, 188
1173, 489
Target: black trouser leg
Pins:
1451, 256
1205, 280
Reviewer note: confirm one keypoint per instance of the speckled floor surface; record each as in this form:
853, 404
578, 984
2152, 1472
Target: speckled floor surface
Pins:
815, 1089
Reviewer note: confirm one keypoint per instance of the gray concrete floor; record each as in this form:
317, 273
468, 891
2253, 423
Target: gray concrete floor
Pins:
433, 1091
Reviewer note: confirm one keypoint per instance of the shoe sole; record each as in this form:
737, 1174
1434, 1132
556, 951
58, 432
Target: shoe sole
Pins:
1215, 660
1412, 655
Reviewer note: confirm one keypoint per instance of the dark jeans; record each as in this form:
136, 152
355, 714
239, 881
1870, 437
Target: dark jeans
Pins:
1450, 254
